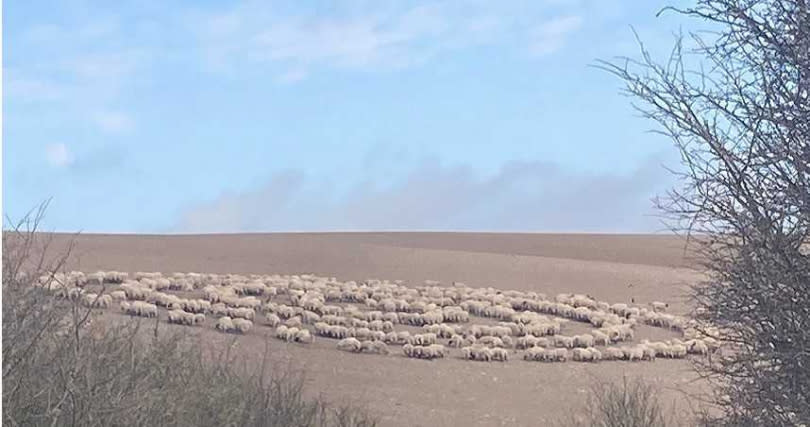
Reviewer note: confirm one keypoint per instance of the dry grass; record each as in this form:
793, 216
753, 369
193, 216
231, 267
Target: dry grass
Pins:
63, 367
628, 403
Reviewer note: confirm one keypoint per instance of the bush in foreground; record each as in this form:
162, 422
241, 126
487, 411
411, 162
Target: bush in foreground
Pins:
63, 366
629, 403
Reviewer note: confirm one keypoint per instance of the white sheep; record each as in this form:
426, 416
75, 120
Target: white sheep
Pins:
350, 344
583, 341
431, 351
225, 324
613, 353
500, 354
540, 354
477, 352
696, 346
303, 336
176, 316
271, 320
375, 347
286, 333
242, 325
600, 338
587, 354
422, 339
293, 322
530, 341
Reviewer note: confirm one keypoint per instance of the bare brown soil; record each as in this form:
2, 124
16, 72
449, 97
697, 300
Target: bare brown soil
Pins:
409, 392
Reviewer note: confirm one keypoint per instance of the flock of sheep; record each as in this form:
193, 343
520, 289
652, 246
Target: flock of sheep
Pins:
372, 316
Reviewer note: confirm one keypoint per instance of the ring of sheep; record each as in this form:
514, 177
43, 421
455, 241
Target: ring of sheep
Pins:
485, 324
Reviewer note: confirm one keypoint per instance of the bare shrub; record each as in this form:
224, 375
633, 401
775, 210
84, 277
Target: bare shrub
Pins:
65, 365
621, 404
741, 121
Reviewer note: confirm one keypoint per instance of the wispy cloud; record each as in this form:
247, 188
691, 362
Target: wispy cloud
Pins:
26, 89
378, 35
522, 196
551, 35
58, 155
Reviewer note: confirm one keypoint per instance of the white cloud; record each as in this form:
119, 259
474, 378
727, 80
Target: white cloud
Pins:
378, 35
28, 89
58, 154
113, 121
521, 196
550, 36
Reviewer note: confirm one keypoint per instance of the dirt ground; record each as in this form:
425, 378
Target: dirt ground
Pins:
449, 392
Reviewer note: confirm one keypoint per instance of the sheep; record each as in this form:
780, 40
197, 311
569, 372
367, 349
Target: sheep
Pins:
455, 314
96, 278
539, 354
677, 351
433, 317
219, 309
500, 354
559, 354
696, 346
587, 354
358, 323
379, 325
139, 308
619, 332
176, 316
613, 353
390, 317
285, 333
477, 352
225, 324
432, 351
331, 331
563, 341
659, 306
96, 301
310, 317
350, 344
196, 305
535, 354
403, 336
422, 339
135, 291
530, 341
648, 353
360, 333
293, 322
334, 320
583, 341
333, 310
241, 312
271, 320
491, 341
303, 336
635, 353
118, 295
441, 330
600, 338
374, 347
242, 325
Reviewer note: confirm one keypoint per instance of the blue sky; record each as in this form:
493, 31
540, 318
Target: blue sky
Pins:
165, 117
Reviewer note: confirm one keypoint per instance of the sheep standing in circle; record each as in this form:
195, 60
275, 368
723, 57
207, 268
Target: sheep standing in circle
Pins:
350, 344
